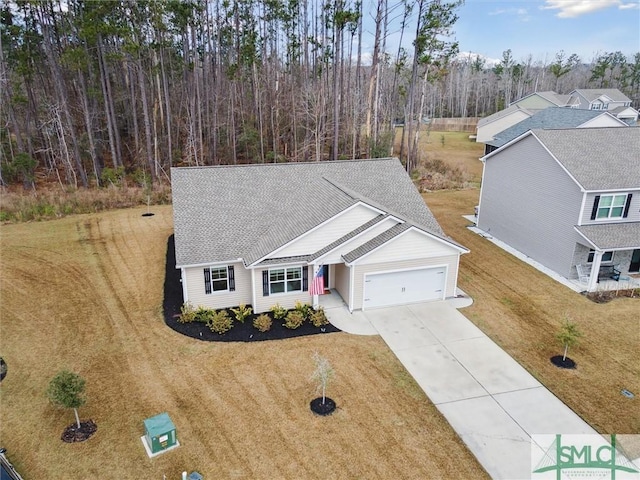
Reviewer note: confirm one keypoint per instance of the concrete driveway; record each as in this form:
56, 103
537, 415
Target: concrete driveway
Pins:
493, 403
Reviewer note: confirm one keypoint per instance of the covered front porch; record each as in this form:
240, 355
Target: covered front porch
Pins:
608, 256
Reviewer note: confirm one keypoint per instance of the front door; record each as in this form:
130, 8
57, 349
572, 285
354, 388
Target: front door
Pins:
325, 274
634, 266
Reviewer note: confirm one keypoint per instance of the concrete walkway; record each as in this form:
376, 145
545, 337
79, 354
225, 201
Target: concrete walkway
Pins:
492, 402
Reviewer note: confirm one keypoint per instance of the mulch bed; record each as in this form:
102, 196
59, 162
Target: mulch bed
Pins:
73, 434
320, 408
3, 369
241, 332
559, 362
608, 295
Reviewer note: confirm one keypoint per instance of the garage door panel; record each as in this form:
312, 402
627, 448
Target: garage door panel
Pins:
402, 287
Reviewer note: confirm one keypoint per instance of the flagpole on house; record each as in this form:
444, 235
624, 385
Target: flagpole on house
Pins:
317, 285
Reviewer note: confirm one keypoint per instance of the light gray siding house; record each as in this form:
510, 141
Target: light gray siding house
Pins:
605, 99
258, 234
567, 198
555, 118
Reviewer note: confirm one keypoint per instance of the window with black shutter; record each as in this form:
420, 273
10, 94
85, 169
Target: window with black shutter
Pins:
232, 279
265, 283
594, 210
626, 206
305, 279
207, 280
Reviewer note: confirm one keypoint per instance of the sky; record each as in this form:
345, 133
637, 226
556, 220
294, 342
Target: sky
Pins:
542, 28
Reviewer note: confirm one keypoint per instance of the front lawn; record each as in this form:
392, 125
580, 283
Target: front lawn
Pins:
522, 309
85, 293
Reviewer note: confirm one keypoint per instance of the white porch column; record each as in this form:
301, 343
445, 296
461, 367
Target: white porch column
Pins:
595, 268
316, 300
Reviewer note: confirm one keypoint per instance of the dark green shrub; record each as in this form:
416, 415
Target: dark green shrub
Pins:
263, 322
242, 312
220, 322
278, 312
204, 314
303, 309
294, 320
318, 318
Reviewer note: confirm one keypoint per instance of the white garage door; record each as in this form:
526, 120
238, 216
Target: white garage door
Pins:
408, 286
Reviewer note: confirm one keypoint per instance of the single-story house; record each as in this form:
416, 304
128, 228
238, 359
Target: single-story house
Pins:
555, 118
569, 199
258, 234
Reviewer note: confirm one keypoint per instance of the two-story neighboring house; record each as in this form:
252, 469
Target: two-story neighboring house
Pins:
605, 99
567, 198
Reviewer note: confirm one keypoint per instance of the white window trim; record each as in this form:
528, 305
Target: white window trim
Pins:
285, 281
611, 207
213, 290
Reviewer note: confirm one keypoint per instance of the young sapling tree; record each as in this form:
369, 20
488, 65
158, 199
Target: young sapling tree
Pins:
568, 336
322, 374
66, 389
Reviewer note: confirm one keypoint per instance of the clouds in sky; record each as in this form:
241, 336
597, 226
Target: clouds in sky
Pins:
575, 8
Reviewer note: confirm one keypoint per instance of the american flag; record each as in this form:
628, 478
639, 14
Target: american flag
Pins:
317, 286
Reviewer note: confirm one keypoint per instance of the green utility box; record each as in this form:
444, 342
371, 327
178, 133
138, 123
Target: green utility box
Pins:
160, 433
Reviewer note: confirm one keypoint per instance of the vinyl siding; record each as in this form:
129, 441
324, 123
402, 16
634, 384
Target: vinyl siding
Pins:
408, 246
634, 208
286, 300
336, 255
195, 289
529, 202
602, 121
329, 232
341, 281
487, 132
535, 102
451, 262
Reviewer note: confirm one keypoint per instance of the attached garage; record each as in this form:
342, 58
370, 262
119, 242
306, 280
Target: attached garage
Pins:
385, 289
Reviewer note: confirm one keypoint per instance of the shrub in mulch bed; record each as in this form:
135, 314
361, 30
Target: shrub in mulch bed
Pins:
320, 407
605, 296
240, 332
73, 434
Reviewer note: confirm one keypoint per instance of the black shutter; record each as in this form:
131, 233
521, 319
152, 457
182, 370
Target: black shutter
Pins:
305, 279
207, 280
265, 283
232, 278
594, 210
626, 206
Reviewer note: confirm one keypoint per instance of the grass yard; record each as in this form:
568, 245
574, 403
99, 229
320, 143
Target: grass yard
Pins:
521, 309
85, 293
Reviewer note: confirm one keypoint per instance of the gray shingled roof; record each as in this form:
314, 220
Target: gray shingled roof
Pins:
598, 158
610, 236
552, 117
375, 242
592, 94
502, 113
223, 213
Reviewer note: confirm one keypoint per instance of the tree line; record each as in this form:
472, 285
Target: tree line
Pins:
94, 91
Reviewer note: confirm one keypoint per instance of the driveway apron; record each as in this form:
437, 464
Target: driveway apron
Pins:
492, 402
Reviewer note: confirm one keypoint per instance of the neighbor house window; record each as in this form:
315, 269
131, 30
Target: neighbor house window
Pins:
611, 206
218, 279
606, 256
285, 280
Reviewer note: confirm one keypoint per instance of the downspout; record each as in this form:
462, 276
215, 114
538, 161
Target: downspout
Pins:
183, 280
352, 276
254, 298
